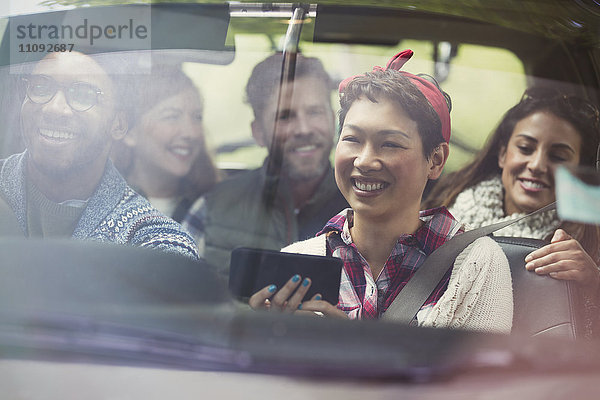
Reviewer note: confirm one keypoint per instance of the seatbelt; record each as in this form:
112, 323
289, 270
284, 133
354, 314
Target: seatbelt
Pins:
417, 290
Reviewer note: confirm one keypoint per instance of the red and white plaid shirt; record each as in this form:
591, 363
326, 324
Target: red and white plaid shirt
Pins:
363, 297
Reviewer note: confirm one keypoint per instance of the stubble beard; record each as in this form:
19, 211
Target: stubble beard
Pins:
306, 174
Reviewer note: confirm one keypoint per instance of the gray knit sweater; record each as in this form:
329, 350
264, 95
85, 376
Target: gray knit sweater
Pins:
115, 213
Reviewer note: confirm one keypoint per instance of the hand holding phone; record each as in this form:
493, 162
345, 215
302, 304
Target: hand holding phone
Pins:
289, 299
252, 270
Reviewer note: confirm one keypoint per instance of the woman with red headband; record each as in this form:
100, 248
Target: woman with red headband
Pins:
395, 129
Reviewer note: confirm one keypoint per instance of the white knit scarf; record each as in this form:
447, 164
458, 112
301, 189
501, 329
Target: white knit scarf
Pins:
482, 205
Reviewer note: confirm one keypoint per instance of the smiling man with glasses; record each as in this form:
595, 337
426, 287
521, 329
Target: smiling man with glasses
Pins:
64, 184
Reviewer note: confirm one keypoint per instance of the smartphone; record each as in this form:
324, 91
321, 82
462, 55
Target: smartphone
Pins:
253, 269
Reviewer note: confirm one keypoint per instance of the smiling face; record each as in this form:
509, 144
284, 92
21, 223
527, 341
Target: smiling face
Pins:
538, 144
169, 137
62, 142
308, 124
379, 163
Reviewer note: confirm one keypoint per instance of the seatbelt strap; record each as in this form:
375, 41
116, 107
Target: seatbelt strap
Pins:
417, 290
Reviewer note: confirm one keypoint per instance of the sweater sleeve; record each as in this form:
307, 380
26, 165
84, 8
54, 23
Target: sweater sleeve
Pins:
316, 246
479, 295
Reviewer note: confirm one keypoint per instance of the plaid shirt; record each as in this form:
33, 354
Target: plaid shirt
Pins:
363, 297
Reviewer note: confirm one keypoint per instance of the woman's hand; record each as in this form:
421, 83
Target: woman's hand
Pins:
289, 299
316, 306
564, 258
286, 299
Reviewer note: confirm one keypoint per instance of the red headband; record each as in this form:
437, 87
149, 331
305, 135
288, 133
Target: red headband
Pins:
429, 90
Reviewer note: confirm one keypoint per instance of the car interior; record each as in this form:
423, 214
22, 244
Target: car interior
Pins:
99, 305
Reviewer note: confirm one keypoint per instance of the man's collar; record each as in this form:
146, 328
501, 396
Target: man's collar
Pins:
326, 188
107, 195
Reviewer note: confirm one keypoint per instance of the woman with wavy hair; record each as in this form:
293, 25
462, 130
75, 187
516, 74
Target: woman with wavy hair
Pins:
164, 155
514, 174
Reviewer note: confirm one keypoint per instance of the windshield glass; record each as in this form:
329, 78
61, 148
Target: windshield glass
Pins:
144, 143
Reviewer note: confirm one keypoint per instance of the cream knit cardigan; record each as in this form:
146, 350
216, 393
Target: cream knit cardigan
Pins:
479, 295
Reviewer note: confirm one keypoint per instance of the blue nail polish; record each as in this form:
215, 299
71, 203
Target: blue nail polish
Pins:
300, 306
295, 278
318, 297
272, 288
305, 282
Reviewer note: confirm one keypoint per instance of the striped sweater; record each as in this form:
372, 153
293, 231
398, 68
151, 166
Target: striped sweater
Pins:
115, 213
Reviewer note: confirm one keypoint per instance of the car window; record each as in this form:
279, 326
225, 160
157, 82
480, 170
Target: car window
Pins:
475, 72
147, 106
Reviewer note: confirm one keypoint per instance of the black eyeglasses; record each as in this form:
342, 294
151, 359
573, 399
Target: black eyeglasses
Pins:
80, 96
576, 105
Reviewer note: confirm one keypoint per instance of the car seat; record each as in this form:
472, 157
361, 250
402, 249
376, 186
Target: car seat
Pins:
543, 306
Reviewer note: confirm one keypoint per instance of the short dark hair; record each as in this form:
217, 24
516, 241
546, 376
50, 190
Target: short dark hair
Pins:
393, 85
266, 77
